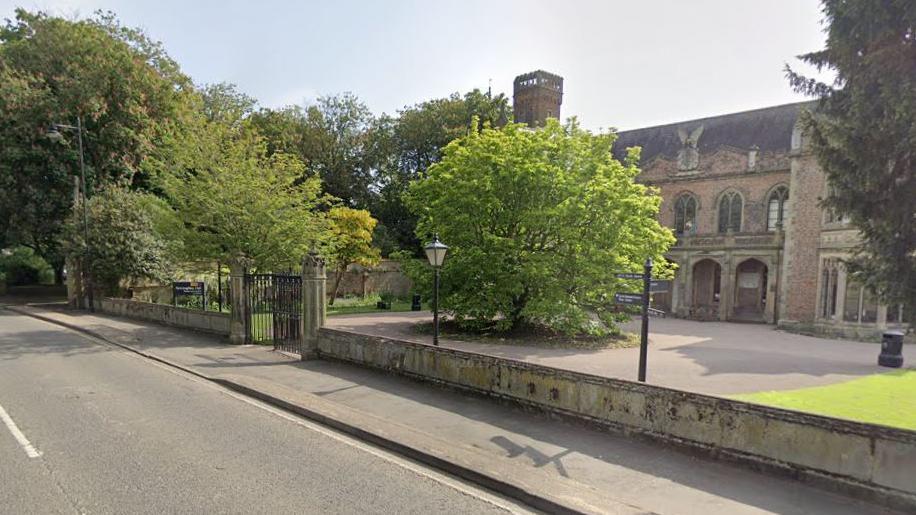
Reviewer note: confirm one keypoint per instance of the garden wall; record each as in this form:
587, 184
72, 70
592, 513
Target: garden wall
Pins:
385, 277
208, 321
872, 462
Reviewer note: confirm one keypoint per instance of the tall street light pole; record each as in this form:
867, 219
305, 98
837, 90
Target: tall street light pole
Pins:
435, 253
55, 136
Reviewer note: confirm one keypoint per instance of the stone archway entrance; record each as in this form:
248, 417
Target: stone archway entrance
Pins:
750, 290
707, 286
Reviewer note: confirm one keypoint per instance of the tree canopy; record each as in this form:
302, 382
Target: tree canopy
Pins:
237, 201
122, 85
123, 242
538, 223
864, 136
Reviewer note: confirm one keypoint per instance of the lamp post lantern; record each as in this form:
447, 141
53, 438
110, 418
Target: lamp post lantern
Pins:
55, 136
435, 253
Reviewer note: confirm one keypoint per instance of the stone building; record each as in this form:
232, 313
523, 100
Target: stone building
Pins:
536, 96
742, 194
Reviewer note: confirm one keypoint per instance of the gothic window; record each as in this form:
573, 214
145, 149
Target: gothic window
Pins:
776, 208
868, 312
730, 205
851, 307
895, 314
829, 289
685, 214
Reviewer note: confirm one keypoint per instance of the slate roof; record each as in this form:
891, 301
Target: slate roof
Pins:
769, 128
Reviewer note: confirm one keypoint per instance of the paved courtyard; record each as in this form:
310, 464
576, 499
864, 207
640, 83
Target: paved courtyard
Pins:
708, 357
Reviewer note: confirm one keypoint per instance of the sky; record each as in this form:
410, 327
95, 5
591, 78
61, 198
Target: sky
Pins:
626, 64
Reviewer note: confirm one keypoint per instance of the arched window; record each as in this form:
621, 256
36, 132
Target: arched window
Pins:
776, 208
685, 214
730, 205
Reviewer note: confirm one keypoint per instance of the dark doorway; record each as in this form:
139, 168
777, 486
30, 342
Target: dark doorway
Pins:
707, 290
750, 290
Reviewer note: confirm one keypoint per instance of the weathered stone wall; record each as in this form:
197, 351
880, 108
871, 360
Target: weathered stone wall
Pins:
873, 462
385, 277
207, 321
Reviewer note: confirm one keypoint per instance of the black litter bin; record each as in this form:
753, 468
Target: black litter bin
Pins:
415, 305
891, 349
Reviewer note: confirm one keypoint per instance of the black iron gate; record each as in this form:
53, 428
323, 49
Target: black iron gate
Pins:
274, 306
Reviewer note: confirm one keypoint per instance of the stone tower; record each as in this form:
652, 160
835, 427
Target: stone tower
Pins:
537, 96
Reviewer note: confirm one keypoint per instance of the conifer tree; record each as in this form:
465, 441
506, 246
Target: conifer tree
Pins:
863, 133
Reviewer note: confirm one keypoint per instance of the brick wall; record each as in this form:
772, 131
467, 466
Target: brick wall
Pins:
800, 266
724, 170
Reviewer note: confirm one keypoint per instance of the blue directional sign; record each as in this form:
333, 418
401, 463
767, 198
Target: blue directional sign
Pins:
635, 299
188, 288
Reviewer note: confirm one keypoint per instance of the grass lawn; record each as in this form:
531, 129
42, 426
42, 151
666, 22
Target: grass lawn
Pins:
354, 305
887, 399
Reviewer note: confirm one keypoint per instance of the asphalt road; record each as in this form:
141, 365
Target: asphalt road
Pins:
117, 433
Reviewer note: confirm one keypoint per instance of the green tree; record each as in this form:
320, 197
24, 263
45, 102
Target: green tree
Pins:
123, 243
127, 91
538, 222
333, 137
413, 141
284, 130
235, 200
224, 103
863, 134
350, 241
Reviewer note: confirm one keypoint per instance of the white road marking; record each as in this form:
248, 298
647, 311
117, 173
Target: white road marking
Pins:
27, 446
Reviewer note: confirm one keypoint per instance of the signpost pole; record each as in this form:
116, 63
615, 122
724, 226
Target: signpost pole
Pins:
644, 336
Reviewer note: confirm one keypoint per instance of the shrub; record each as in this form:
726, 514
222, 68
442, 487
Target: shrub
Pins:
22, 266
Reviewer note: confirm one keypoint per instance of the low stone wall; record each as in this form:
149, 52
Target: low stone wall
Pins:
872, 462
207, 321
849, 331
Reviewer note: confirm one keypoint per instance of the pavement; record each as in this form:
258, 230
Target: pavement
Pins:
107, 431
714, 358
544, 462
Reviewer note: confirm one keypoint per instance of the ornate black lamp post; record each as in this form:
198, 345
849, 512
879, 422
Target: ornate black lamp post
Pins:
435, 252
55, 136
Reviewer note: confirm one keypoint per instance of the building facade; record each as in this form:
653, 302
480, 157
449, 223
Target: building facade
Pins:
742, 194
536, 96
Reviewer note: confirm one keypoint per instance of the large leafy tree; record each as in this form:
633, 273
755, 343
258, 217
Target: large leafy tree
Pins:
236, 200
123, 242
333, 137
125, 89
414, 141
538, 222
863, 133
224, 103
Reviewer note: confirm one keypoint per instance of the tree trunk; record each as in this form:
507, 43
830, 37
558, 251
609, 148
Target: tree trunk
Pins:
518, 305
340, 272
